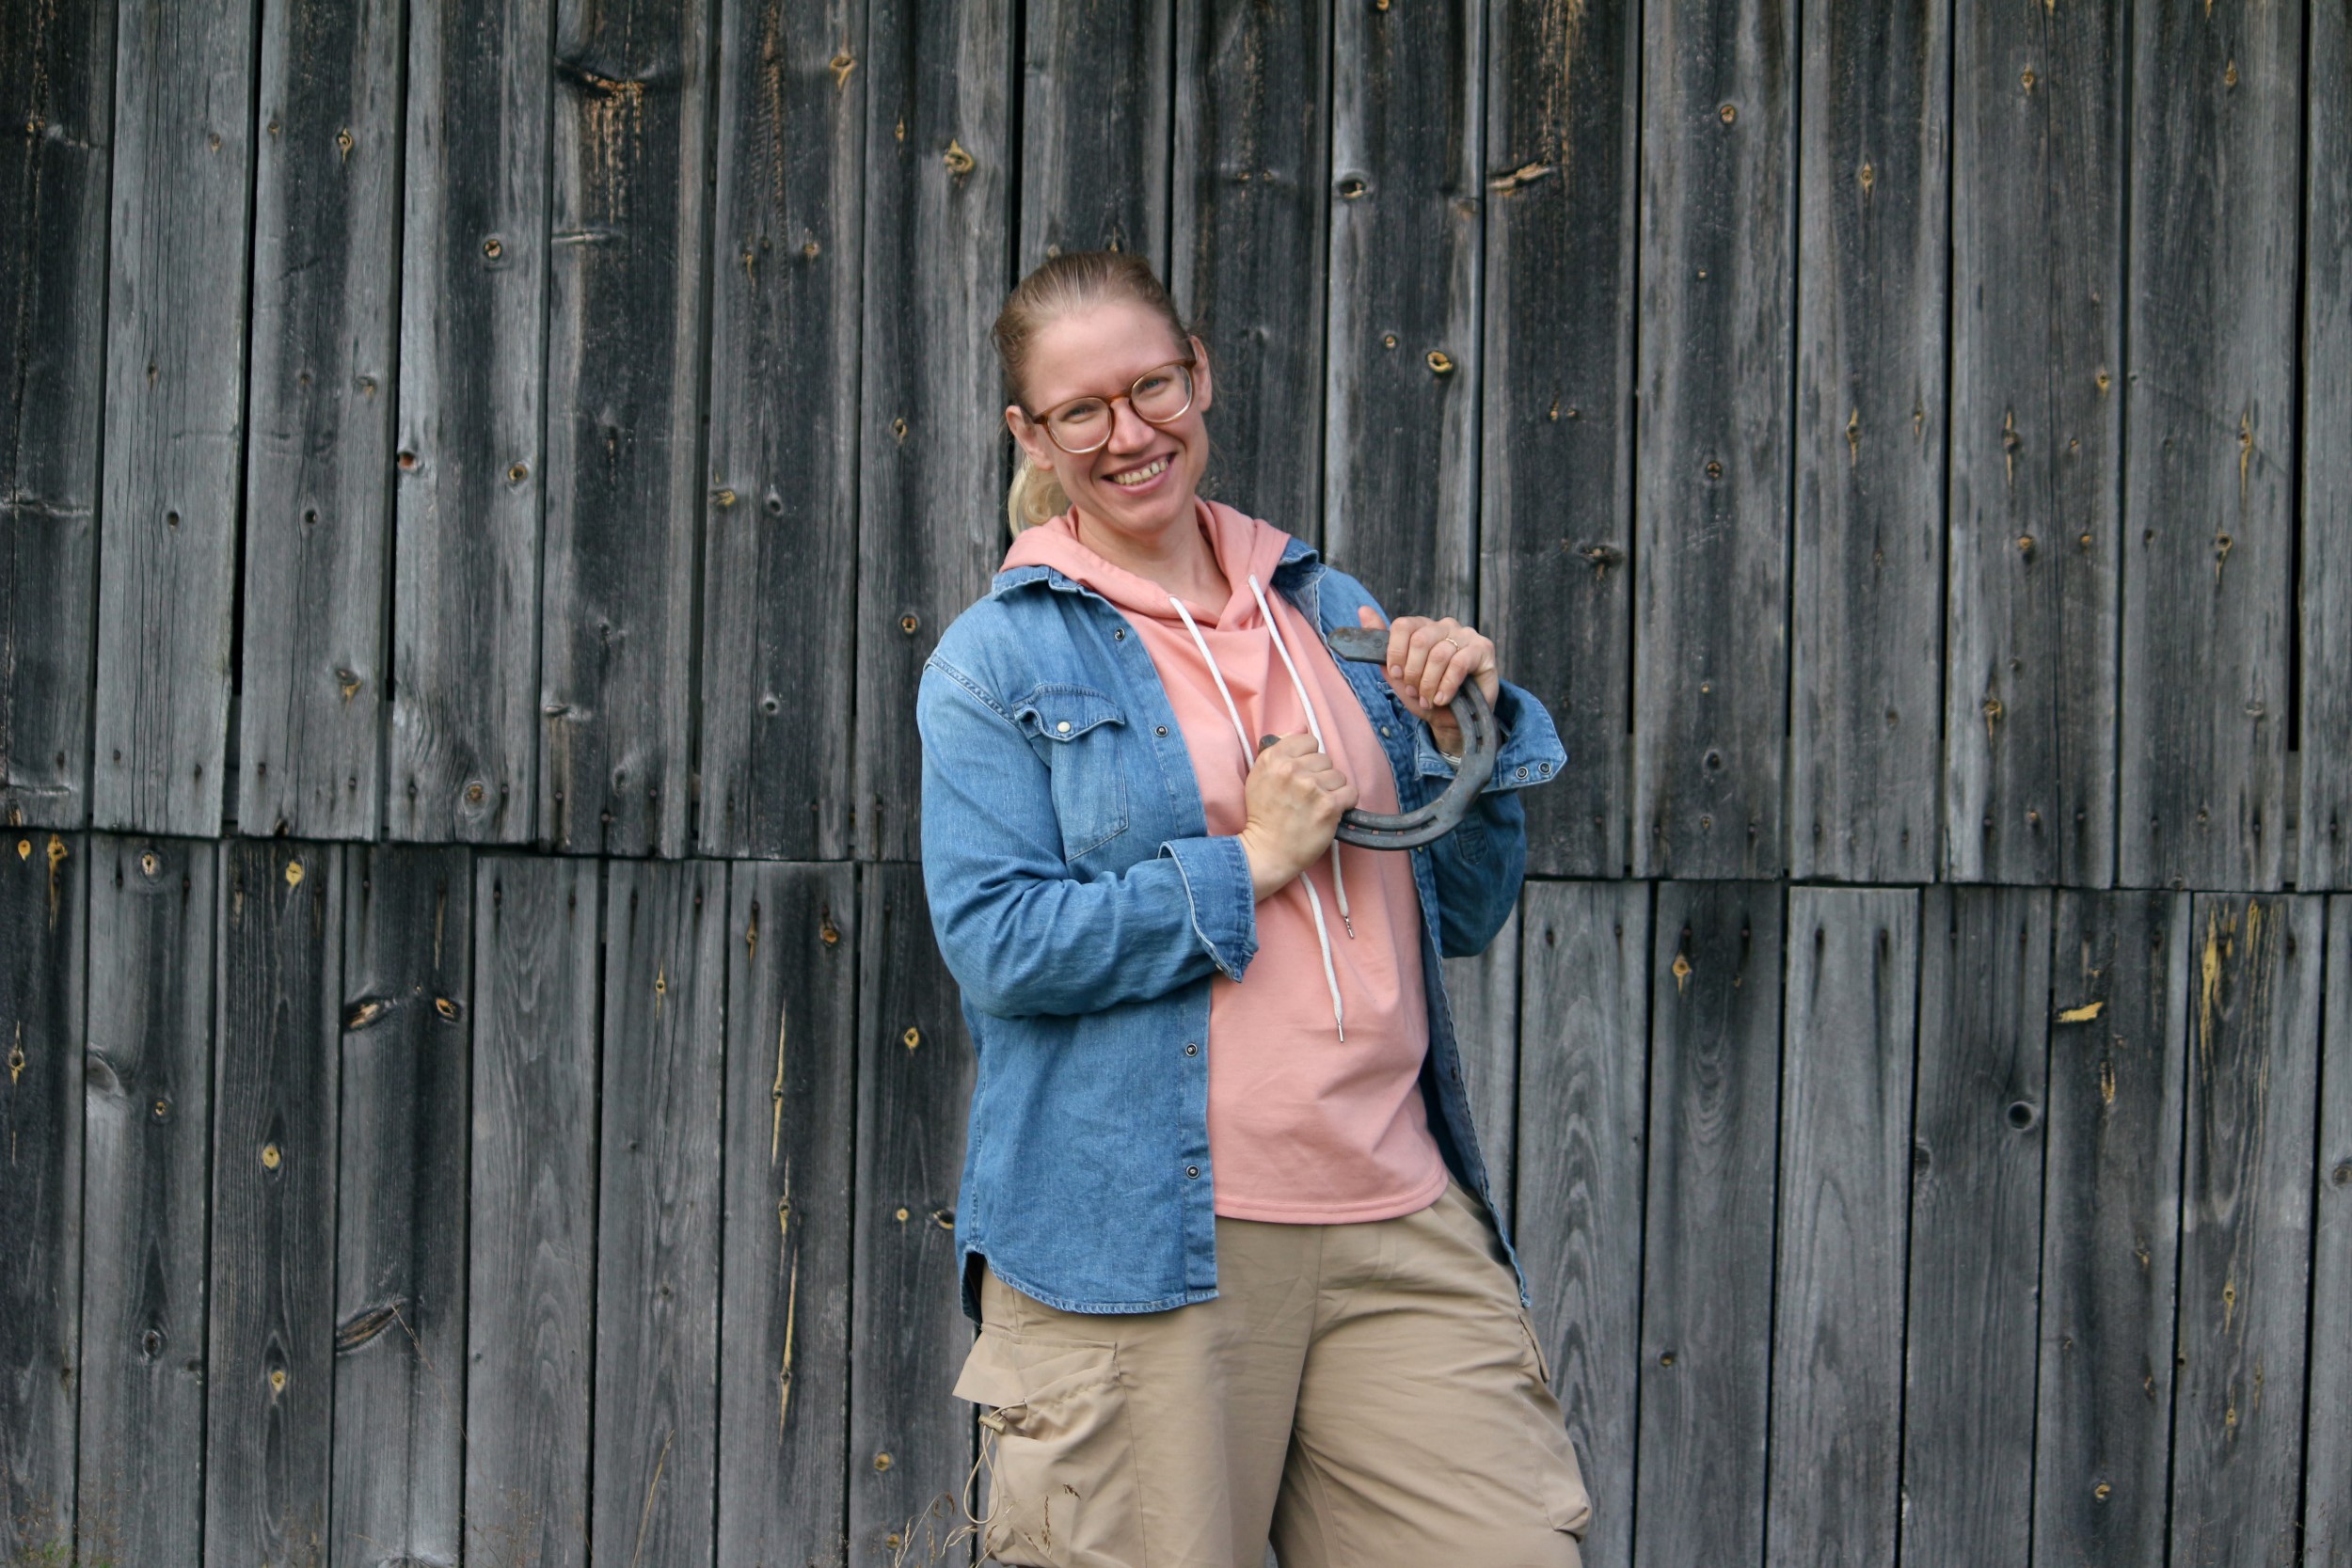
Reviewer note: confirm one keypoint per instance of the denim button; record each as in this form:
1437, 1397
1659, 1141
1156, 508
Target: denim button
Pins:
1192, 1172
1159, 729
1385, 730
1120, 636
1192, 1047
1523, 772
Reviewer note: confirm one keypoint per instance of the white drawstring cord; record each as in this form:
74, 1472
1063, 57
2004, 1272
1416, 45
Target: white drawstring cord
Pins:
1248, 758
1339, 881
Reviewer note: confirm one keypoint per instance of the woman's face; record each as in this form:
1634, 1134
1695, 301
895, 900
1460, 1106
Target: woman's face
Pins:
1141, 481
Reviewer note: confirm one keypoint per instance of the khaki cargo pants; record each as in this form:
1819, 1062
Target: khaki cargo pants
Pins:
1364, 1395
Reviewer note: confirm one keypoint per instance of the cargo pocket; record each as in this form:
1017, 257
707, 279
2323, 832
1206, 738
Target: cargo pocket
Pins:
1560, 1479
1089, 784
1056, 1450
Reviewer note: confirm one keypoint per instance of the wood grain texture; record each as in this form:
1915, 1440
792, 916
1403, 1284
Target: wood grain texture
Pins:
1400, 454
2245, 1219
784, 1355
910, 1442
2110, 1227
780, 518
2324, 857
1250, 199
1874, 228
147, 1151
56, 102
1555, 534
1712, 438
1585, 960
44, 922
532, 1236
2210, 433
1095, 81
317, 491
931, 518
175, 411
1707, 1258
658, 1213
269, 1377
1976, 1207
1483, 993
626, 275
2037, 427
2327, 1443
462, 754
1845, 1160
400, 1235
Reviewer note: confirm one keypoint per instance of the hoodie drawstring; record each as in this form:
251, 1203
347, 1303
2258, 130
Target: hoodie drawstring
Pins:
1339, 881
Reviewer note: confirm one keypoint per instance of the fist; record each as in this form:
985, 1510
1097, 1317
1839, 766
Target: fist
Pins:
1293, 799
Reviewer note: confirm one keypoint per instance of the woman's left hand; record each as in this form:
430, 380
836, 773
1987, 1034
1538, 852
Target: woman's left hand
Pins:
1428, 660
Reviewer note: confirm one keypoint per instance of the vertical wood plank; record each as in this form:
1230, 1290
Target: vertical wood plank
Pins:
56, 100
1401, 397
269, 1376
2327, 1455
1976, 1227
147, 1127
2209, 426
931, 524
400, 1235
1556, 450
627, 277
1845, 1158
2246, 1219
1095, 80
2110, 1229
325, 248
1707, 1251
2324, 857
1710, 659
474, 247
1483, 992
780, 522
175, 411
783, 1354
532, 1232
658, 1213
1582, 1084
2037, 404
910, 1443
1250, 199
1874, 228
44, 922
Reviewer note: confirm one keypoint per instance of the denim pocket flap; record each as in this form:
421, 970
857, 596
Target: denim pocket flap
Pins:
1066, 712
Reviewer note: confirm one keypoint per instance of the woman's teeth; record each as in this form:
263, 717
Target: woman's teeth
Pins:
1148, 471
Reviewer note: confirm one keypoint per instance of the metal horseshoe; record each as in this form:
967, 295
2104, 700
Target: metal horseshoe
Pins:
1411, 829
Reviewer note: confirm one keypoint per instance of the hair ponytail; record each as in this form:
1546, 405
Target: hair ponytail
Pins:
1035, 495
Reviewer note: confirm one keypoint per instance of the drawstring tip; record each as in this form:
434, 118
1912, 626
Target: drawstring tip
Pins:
1350, 924
1343, 1028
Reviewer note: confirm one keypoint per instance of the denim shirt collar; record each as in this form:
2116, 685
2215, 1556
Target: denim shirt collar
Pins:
1295, 576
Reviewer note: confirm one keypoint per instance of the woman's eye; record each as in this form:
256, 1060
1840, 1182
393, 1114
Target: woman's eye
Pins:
1151, 384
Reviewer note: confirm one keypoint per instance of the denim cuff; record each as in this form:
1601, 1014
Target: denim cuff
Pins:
1530, 752
1224, 904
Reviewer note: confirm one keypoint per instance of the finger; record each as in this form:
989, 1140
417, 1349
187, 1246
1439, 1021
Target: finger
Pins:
1426, 635
1457, 670
1400, 644
1436, 653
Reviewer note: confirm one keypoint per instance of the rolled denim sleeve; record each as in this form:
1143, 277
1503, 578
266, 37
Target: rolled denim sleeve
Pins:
1019, 931
1531, 752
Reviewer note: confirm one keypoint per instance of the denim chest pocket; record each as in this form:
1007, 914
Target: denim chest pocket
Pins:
1080, 727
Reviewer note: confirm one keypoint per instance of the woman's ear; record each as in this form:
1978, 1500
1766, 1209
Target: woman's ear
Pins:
1203, 393
1032, 439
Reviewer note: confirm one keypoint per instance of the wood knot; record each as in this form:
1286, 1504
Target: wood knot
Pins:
959, 161
912, 1038
1441, 363
1728, 114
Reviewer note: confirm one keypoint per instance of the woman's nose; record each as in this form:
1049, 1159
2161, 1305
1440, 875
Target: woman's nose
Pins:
1129, 429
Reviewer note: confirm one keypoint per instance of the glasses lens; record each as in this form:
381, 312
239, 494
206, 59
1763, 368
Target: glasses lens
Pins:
1164, 393
1080, 426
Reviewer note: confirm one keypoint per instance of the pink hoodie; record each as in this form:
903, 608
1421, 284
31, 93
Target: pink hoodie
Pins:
1305, 1126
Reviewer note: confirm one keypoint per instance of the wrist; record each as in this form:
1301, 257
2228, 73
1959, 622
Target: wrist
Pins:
1269, 872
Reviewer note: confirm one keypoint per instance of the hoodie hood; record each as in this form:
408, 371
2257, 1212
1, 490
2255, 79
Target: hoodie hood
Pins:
1244, 547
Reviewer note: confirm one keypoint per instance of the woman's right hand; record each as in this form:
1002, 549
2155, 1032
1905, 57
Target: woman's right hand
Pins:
1294, 800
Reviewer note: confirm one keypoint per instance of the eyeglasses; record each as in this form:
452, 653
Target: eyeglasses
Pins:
1084, 424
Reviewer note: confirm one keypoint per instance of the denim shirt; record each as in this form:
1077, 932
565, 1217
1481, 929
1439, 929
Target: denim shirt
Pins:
1082, 905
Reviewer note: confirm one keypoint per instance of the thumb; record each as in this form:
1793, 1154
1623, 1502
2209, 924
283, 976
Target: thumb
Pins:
1367, 616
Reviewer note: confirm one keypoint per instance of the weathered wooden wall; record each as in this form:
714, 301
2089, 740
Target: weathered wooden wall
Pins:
479, 478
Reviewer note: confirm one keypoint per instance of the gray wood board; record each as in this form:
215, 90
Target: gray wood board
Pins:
532, 1239
1555, 536
1483, 992
931, 524
2324, 593
2037, 410
400, 1235
269, 1378
627, 275
2327, 1440
658, 1213
1250, 199
44, 923
175, 411
147, 1152
1400, 453
461, 763
2110, 1227
56, 86
783, 1352
1715, 977
1976, 1227
780, 518
909, 1438
1873, 226
2216, 161
1586, 969
319, 427
1712, 438
1095, 80
2246, 1219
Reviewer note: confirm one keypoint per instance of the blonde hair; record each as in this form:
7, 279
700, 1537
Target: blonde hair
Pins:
1058, 286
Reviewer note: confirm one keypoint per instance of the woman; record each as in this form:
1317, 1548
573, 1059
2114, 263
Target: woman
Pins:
1223, 1221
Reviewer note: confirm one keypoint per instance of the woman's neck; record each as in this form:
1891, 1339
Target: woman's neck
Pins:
1179, 558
